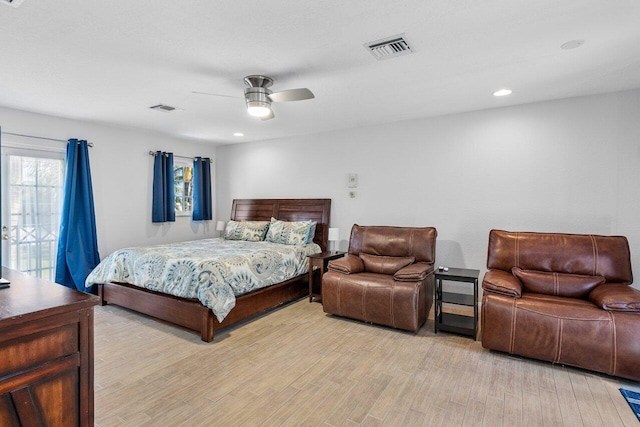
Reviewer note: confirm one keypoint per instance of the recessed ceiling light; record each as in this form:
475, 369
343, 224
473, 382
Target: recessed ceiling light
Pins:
502, 92
572, 44
238, 134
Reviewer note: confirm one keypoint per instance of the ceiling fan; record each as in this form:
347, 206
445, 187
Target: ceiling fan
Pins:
259, 97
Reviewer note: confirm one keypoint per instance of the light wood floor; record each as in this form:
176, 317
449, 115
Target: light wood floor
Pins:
298, 366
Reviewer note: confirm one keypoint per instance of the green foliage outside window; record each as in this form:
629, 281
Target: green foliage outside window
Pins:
183, 182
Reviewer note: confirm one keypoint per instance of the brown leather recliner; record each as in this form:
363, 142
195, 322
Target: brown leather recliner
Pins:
386, 278
563, 298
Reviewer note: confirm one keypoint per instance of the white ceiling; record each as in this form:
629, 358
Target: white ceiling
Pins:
108, 61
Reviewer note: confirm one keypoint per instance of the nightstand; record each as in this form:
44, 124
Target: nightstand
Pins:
320, 260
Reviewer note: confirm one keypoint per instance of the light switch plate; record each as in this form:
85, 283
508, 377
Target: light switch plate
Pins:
352, 180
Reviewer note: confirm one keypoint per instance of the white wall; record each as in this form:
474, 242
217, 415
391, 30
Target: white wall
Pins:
570, 166
122, 174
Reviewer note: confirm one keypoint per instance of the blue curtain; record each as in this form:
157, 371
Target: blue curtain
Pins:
202, 189
163, 208
77, 242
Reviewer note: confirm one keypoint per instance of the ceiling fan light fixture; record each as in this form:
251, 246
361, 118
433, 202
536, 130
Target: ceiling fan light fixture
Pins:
258, 108
258, 102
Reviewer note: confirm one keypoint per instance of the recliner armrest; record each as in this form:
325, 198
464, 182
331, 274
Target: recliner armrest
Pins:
348, 264
616, 297
413, 273
503, 283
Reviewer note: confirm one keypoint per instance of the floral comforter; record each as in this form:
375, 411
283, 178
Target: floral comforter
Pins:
214, 271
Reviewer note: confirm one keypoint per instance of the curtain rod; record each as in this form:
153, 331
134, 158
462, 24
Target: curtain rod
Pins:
90, 144
153, 153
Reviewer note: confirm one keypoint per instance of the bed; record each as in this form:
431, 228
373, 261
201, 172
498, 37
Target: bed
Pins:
191, 313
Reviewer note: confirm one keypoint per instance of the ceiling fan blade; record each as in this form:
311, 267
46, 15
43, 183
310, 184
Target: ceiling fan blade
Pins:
215, 94
291, 95
269, 117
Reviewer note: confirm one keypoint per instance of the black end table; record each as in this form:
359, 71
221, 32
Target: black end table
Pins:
451, 322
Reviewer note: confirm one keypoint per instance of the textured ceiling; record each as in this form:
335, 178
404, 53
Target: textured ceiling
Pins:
108, 61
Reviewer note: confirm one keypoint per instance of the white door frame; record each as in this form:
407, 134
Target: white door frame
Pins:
16, 148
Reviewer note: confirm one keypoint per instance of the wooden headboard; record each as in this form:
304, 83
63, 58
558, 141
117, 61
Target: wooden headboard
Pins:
317, 210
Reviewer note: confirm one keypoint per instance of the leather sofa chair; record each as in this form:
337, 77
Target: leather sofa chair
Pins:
563, 298
386, 278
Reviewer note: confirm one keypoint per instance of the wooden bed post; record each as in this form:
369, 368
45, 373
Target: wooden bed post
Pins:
101, 294
206, 333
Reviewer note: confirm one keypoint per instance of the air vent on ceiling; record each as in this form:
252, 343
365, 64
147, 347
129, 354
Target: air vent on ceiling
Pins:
390, 47
14, 3
162, 107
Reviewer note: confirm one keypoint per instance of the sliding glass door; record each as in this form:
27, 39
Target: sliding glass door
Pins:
32, 191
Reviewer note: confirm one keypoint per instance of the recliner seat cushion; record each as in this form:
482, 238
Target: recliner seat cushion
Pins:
556, 329
375, 298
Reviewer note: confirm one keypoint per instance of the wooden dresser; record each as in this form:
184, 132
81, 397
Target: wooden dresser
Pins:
46, 353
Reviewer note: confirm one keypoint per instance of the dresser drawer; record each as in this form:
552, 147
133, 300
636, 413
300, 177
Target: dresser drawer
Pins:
32, 344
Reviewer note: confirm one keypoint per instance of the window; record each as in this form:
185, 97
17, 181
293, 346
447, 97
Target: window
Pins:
183, 184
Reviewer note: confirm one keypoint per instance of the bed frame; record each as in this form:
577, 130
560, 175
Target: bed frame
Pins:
190, 313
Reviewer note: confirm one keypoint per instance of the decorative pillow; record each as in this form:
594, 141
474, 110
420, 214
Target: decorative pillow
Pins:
253, 231
294, 233
559, 284
385, 264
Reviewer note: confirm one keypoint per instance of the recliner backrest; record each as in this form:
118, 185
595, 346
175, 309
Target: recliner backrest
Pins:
585, 254
418, 242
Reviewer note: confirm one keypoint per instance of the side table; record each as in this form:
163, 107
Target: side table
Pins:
320, 260
452, 322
